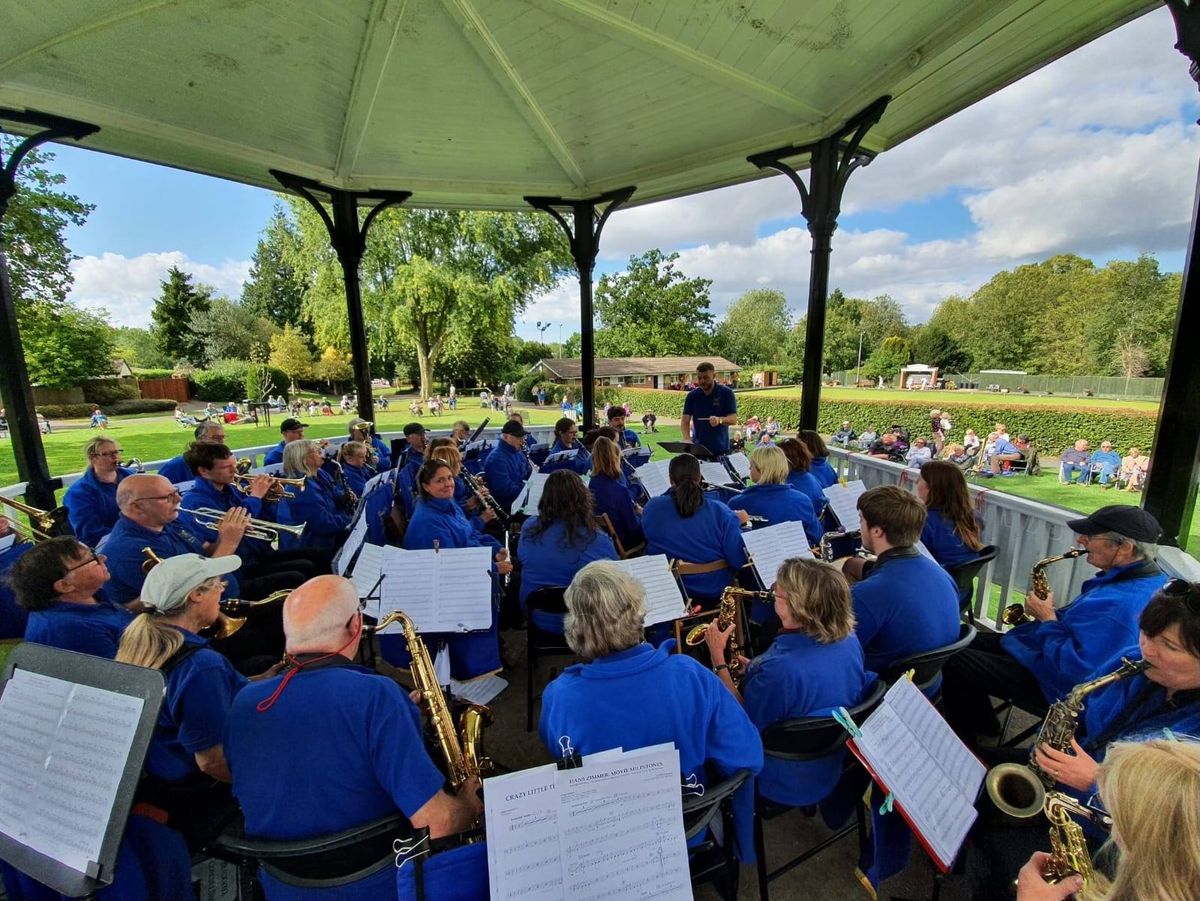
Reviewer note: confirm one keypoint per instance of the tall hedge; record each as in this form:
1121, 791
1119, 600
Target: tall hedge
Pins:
108, 391
1052, 428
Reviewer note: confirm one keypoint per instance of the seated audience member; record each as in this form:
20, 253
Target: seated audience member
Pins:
590, 702
186, 776
507, 468
985, 455
906, 603
176, 469
325, 519
867, 437
686, 524
951, 531
970, 439
610, 494
799, 476
772, 428
1040, 661
919, 454
1075, 464
813, 667
616, 420
60, 581
360, 729
957, 454
560, 540
353, 456
752, 429
91, 501
1105, 463
292, 430
886, 447
819, 467
772, 498
1134, 467
1163, 700
364, 431
1003, 451
845, 435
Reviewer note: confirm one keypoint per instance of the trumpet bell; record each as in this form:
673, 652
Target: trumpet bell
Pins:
1016, 790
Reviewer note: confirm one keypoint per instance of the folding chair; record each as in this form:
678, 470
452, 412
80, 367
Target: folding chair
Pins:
964, 577
808, 738
927, 665
604, 523
541, 641
713, 862
681, 568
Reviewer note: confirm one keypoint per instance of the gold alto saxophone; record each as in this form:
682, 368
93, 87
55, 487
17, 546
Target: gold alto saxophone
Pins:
1014, 614
1019, 790
728, 615
1068, 847
462, 750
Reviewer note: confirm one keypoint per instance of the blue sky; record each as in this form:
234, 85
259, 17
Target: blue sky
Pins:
1094, 154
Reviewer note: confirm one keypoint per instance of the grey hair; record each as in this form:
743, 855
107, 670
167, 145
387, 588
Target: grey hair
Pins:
209, 425
606, 610
1143, 550
294, 453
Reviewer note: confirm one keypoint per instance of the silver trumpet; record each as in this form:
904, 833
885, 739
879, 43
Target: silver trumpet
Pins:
259, 529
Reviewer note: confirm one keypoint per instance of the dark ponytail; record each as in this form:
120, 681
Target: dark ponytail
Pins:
686, 490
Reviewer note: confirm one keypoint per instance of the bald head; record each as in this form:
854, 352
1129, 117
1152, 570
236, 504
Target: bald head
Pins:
148, 500
320, 616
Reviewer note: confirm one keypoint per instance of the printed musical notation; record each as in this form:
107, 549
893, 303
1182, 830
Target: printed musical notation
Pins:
843, 501
654, 477
740, 463
64, 747
715, 473
449, 590
769, 547
664, 600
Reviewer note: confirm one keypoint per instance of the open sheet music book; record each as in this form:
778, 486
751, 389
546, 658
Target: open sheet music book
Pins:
527, 501
770, 546
664, 600
912, 752
654, 477
843, 501
449, 590
716, 473
569, 453
740, 463
345, 554
610, 828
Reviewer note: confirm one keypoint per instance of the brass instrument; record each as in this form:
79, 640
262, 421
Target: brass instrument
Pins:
260, 529
1019, 790
728, 613
44, 523
462, 750
135, 464
1068, 848
1014, 614
278, 487
225, 625
244, 465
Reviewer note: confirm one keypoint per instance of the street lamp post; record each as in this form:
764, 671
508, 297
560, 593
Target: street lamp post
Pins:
858, 366
541, 327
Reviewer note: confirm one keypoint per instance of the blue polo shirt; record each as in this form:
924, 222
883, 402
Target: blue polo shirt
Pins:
274, 455
612, 496
712, 533
780, 503
92, 506
825, 474
125, 557
549, 559
84, 628
943, 541
204, 494
316, 507
176, 471
810, 487
700, 406
506, 470
200, 690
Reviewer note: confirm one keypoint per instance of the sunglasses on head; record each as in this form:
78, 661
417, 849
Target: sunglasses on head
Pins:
1182, 588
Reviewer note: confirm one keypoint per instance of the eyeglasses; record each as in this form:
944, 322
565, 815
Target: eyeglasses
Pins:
92, 558
174, 495
113, 454
1182, 588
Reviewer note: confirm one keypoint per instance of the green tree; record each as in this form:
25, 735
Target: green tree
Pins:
138, 347
177, 301
573, 347
755, 327
933, 345
653, 310
275, 290
290, 354
333, 367
64, 344
794, 348
851, 320
228, 331
886, 360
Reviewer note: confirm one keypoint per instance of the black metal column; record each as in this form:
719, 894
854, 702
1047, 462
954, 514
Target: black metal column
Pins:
583, 234
14, 374
1170, 492
832, 159
349, 241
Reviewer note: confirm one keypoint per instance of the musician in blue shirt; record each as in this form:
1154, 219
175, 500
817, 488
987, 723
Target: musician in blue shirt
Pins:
611, 495
772, 498
951, 530
364, 431
325, 523
605, 701
1040, 661
814, 666
91, 502
685, 524
353, 457
616, 420
819, 467
507, 468
412, 455
292, 430
906, 604
799, 476
176, 470
566, 439
330, 745
60, 582
708, 411
560, 540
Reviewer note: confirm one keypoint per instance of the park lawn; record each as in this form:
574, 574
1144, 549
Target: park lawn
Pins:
981, 398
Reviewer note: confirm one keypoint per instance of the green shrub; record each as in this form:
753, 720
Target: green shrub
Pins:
527, 385
65, 411
149, 374
108, 391
141, 405
222, 380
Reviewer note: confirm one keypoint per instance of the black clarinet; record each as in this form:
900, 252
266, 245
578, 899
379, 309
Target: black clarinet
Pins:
486, 499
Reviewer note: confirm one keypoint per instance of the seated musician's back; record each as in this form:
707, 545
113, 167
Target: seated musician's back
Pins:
907, 603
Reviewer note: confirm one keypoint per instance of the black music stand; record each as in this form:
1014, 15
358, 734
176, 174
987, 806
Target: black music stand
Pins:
699, 451
97, 672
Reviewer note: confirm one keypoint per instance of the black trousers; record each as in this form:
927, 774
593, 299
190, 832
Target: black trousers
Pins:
981, 672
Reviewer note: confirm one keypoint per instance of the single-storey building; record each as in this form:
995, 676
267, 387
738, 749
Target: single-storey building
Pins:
636, 372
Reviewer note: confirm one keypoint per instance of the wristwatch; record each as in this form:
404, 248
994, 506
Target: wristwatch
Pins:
720, 666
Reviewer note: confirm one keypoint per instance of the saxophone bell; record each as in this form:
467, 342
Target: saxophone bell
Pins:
1014, 614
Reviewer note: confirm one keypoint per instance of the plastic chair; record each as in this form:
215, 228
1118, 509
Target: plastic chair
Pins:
927, 666
604, 522
711, 862
964, 577
808, 738
540, 641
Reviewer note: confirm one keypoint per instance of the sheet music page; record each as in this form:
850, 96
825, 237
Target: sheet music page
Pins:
410, 584
478, 691
770, 546
569, 453
714, 472
64, 746
528, 501
621, 823
654, 477
463, 598
8, 541
375, 481
843, 501
933, 733
934, 802
740, 463
664, 600
524, 855
358, 534
184, 487
368, 568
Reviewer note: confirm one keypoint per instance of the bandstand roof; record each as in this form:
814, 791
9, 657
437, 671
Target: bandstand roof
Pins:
478, 103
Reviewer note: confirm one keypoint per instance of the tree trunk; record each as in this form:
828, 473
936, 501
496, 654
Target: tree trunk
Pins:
425, 366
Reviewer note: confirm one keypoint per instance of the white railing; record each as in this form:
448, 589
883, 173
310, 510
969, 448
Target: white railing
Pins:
1023, 531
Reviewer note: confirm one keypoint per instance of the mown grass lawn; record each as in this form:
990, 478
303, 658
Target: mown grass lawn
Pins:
982, 398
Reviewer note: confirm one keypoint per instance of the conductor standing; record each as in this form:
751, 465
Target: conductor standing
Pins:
708, 412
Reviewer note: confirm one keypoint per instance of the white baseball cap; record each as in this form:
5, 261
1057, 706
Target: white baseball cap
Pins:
167, 585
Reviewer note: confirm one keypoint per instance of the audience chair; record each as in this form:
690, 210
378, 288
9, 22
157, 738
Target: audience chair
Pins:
808, 738
964, 577
713, 862
927, 666
604, 523
542, 642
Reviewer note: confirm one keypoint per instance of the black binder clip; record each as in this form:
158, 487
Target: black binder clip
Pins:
570, 758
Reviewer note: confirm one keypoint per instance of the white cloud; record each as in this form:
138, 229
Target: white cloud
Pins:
126, 287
